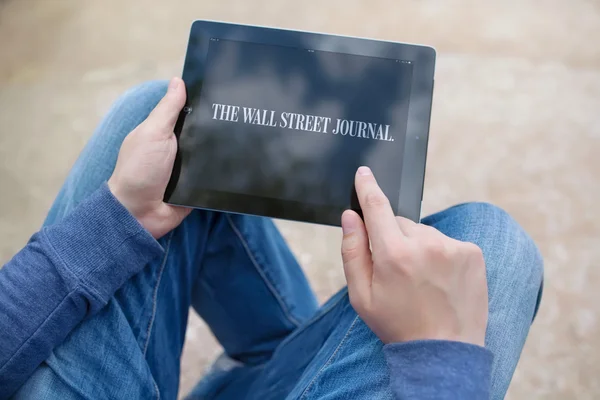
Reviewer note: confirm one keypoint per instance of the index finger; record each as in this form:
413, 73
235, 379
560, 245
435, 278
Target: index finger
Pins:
379, 217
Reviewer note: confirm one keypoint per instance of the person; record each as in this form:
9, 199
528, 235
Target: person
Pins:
96, 305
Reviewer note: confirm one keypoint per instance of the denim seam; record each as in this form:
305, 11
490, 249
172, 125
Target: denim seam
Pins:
155, 296
272, 289
318, 315
85, 279
329, 360
156, 388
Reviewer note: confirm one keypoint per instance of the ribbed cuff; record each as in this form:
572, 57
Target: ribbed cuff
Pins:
437, 369
102, 244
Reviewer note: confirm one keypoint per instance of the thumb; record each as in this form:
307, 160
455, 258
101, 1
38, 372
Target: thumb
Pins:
356, 255
164, 116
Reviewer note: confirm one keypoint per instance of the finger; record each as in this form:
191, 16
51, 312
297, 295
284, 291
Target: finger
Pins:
164, 116
379, 217
356, 255
406, 225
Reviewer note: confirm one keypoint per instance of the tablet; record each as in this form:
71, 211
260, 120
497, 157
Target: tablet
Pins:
278, 121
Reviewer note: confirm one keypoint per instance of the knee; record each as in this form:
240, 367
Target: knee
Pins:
493, 227
131, 109
140, 100
144, 95
512, 258
101, 151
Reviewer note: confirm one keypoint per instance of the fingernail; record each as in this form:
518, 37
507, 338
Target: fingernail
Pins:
348, 223
173, 84
364, 171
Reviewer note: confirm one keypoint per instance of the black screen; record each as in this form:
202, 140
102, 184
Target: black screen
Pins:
291, 124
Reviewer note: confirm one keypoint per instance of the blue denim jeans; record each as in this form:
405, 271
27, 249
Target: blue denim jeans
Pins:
240, 276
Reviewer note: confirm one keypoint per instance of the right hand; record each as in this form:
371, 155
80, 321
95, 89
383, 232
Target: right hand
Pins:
412, 282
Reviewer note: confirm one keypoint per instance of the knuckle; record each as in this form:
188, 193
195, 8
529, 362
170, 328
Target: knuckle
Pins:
423, 228
435, 247
450, 251
432, 232
349, 255
389, 255
423, 231
395, 256
474, 252
375, 199
407, 226
472, 249
350, 248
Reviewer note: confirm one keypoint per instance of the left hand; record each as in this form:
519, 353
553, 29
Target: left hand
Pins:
145, 163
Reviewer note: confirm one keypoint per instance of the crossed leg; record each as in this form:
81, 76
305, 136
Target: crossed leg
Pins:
335, 355
237, 271
239, 275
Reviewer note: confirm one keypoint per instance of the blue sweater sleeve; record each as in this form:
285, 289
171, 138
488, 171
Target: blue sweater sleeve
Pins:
67, 272
440, 370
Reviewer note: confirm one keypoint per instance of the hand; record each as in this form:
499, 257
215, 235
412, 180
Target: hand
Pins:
414, 283
144, 166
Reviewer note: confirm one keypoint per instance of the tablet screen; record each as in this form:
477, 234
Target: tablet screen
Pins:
289, 125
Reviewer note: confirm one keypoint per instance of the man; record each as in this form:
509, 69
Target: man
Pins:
96, 305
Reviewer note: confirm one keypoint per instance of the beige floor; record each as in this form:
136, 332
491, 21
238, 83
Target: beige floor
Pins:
516, 121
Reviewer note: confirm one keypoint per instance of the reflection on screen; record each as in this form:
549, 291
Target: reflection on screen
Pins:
292, 124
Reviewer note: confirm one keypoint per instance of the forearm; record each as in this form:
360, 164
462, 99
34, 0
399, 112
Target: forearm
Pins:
435, 369
66, 272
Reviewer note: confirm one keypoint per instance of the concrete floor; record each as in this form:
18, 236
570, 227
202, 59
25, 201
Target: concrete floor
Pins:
516, 121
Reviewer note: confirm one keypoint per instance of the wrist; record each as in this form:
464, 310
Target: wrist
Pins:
121, 197
154, 216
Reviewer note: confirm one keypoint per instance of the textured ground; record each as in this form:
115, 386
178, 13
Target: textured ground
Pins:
516, 121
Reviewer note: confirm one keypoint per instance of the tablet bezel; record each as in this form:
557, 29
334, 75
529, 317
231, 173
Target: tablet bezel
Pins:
417, 131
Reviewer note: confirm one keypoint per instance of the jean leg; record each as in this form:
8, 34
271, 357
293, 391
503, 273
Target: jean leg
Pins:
515, 277
106, 355
250, 289
335, 355
132, 347
97, 160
